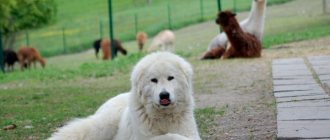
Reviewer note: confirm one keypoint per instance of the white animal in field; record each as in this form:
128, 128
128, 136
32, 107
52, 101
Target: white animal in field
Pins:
254, 25
159, 106
163, 41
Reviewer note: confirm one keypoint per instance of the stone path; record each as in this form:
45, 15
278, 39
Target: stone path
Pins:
303, 106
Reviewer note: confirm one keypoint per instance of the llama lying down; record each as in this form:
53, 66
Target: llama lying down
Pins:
241, 44
254, 25
162, 41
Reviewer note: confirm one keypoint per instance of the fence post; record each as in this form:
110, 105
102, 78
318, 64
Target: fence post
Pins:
101, 29
2, 65
201, 6
219, 9
27, 38
136, 23
234, 6
169, 16
325, 6
219, 5
112, 46
64, 40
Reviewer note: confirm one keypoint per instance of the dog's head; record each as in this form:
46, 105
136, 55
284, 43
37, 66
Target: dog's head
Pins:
161, 81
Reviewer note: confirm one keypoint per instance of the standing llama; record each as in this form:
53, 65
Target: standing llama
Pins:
254, 24
163, 40
104, 44
141, 38
10, 57
27, 55
241, 44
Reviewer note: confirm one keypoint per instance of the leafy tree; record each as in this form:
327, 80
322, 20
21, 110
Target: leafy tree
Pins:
18, 15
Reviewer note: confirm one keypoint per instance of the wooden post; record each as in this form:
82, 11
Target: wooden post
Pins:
112, 46
219, 9
202, 6
325, 6
101, 29
2, 64
136, 23
27, 38
64, 40
169, 16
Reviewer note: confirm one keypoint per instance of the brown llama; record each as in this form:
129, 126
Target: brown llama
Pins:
253, 24
241, 44
214, 53
27, 55
141, 38
105, 46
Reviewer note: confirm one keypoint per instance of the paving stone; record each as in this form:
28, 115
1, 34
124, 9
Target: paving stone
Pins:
312, 129
293, 82
284, 88
299, 93
324, 77
289, 67
288, 61
312, 58
302, 98
320, 63
304, 113
301, 77
292, 73
305, 103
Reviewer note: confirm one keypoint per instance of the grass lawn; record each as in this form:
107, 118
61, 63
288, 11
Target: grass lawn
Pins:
40, 100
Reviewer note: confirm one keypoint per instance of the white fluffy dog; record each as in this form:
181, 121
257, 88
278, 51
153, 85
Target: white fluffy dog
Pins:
159, 106
164, 41
254, 25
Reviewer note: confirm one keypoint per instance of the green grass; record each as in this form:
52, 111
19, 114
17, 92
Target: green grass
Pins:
311, 32
85, 70
81, 21
206, 119
48, 105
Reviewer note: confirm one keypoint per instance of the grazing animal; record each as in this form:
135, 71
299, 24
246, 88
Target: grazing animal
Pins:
96, 46
10, 57
27, 55
241, 44
159, 106
104, 44
254, 25
141, 38
163, 40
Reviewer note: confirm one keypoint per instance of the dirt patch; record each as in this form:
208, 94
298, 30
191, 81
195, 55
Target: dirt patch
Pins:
244, 88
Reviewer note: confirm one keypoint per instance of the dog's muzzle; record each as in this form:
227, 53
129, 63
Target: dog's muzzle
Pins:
164, 97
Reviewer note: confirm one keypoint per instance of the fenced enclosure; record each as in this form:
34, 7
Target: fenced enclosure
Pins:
72, 34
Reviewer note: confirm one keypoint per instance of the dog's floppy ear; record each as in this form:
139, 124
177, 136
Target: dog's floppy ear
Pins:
186, 68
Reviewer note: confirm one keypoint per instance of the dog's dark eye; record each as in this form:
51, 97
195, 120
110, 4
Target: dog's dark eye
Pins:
154, 80
170, 78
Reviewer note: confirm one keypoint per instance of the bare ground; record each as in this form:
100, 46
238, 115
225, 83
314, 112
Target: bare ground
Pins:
243, 87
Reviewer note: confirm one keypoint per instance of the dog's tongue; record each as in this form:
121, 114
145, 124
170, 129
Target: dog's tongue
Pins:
164, 102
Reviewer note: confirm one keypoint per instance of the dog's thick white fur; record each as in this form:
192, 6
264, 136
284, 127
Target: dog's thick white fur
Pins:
164, 41
140, 114
254, 25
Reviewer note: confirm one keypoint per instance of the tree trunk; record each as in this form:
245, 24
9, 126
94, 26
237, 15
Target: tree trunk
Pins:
9, 40
325, 7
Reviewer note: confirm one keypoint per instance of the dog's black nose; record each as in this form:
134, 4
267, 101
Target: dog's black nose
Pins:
164, 95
